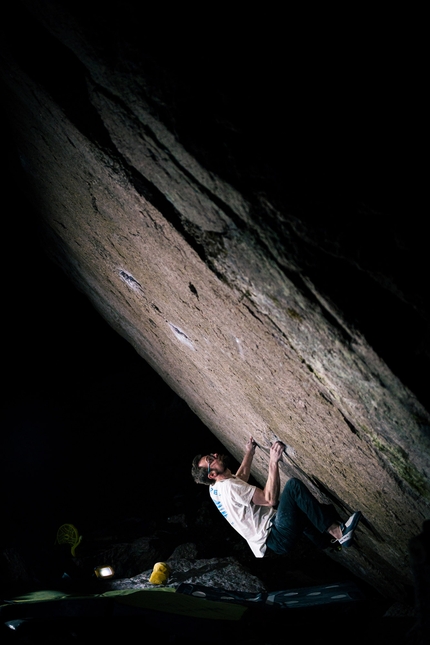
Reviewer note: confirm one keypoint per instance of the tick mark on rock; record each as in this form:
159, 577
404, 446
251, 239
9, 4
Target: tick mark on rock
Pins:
130, 281
180, 335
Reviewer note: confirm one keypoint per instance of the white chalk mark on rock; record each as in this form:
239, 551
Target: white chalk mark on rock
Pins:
180, 335
239, 347
130, 281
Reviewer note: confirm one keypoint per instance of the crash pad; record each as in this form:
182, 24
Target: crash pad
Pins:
330, 594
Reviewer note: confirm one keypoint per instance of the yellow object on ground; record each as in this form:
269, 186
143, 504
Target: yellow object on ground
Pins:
160, 574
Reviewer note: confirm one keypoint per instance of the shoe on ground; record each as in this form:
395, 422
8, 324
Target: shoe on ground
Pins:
348, 529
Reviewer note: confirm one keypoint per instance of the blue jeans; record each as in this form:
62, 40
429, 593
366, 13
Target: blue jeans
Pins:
300, 513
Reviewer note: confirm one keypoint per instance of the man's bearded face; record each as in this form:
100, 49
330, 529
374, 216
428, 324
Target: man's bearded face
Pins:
216, 463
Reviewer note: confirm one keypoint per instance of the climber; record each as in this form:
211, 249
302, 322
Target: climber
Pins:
265, 519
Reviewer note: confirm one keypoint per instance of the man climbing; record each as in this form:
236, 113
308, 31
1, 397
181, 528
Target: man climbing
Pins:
260, 516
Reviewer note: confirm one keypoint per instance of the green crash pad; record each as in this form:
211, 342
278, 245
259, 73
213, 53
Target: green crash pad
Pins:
161, 599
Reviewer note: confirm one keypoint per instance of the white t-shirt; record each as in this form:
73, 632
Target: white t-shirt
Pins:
233, 498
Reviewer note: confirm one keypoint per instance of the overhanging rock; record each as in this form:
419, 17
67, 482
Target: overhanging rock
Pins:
216, 279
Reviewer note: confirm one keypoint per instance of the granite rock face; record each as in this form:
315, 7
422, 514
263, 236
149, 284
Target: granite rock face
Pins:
216, 222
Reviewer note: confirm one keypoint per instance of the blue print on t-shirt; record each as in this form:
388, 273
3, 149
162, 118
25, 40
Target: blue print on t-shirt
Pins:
218, 504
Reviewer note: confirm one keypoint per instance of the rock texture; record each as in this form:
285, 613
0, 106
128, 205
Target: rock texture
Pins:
216, 222
224, 574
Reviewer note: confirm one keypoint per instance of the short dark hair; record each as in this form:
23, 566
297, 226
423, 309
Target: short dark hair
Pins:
200, 473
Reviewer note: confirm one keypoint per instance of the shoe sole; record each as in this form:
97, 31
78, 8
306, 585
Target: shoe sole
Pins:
350, 524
